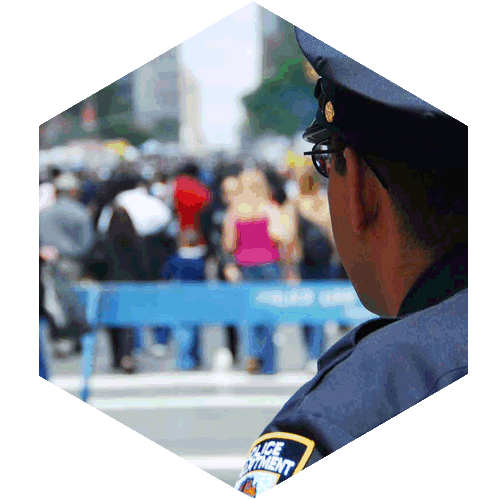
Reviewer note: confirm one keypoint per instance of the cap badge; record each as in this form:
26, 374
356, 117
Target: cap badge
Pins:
329, 112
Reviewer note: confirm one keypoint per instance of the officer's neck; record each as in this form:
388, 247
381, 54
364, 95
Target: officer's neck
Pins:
400, 265
392, 261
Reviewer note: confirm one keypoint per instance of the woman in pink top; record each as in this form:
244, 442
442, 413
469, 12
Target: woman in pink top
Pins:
254, 231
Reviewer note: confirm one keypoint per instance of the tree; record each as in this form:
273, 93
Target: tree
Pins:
283, 104
166, 130
124, 131
114, 110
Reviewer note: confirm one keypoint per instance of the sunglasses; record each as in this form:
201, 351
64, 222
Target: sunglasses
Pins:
323, 157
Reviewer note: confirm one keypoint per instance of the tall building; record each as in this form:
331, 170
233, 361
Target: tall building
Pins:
155, 93
191, 137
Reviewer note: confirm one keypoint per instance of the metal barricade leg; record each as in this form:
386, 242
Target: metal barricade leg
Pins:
88, 348
43, 370
89, 339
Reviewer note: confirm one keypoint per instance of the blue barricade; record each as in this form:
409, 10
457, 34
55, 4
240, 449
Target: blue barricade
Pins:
175, 304
133, 304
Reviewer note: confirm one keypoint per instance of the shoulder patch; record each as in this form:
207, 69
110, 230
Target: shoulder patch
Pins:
273, 458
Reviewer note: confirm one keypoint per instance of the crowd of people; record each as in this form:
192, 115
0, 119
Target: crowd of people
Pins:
232, 223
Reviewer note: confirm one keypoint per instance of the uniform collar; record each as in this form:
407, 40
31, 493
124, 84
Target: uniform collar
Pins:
443, 279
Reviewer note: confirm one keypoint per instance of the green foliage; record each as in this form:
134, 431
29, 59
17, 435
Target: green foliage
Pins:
111, 101
124, 131
283, 104
166, 130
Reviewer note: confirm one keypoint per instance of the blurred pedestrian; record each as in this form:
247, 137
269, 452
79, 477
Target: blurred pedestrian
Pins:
67, 234
156, 225
254, 228
231, 187
125, 260
123, 178
190, 198
162, 188
225, 189
134, 249
89, 187
47, 190
47, 197
165, 245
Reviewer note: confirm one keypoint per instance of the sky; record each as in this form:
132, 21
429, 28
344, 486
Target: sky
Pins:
225, 59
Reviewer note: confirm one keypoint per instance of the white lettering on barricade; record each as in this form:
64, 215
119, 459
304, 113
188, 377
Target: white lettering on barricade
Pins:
329, 298
301, 297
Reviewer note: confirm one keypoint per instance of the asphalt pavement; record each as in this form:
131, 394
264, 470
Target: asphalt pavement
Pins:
209, 417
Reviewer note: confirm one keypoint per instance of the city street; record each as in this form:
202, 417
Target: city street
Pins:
209, 417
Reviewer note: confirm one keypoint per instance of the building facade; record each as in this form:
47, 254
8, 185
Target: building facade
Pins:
155, 93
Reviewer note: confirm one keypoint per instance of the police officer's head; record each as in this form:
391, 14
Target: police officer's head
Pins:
397, 170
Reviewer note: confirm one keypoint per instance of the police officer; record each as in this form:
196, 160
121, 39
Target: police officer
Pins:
397, 170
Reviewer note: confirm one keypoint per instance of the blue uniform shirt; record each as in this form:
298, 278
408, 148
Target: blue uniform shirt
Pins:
375, 372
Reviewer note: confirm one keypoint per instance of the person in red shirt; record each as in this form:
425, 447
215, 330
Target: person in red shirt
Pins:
190, 198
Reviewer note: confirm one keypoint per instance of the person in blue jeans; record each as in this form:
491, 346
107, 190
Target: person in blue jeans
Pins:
190, 199
260, 347
254, 229
186, 266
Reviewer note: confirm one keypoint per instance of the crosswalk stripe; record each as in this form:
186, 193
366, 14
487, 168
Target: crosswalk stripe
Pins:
183, 380
188, 402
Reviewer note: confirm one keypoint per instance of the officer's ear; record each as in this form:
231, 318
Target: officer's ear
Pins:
353, 163
362, 191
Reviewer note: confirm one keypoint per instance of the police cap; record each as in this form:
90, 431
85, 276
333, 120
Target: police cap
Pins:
374, 115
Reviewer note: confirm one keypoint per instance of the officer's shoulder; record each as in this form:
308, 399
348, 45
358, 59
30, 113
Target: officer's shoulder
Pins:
425, 334
397, 362
450, 314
